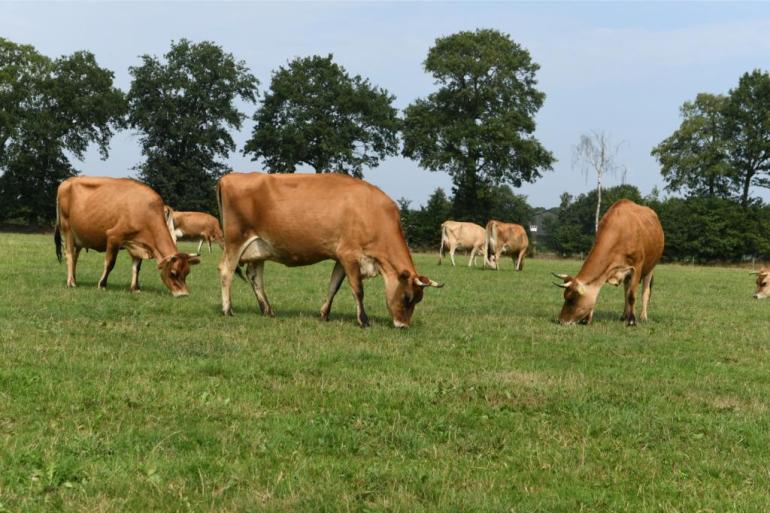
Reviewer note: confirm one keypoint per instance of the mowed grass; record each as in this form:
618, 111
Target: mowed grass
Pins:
115, 402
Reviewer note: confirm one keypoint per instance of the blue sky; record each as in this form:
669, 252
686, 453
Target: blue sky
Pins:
624, 68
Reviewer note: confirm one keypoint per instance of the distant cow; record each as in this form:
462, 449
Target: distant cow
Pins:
300, 219
461, 235
628, 244
198, 225
763, 283
505, 238
108, 214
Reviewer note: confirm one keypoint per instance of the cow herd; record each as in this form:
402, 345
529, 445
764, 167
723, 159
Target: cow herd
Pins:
301, 219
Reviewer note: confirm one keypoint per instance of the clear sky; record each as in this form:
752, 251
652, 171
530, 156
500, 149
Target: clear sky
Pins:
624, 68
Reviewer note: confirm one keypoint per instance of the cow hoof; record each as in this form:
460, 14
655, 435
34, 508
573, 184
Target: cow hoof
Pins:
631, 322
228, 312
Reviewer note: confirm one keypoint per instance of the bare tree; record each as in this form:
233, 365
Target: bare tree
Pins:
595, 153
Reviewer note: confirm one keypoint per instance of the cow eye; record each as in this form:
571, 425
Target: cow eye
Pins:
173, 273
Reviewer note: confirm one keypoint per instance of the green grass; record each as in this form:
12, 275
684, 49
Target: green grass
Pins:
115, 402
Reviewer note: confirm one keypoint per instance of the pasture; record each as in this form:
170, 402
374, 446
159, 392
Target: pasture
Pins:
115, 402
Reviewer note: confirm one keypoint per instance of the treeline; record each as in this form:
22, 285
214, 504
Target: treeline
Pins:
477, 125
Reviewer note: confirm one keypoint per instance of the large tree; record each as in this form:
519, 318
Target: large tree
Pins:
50, 110
694, 159
722, 147
184, 108
479, 125
316, 114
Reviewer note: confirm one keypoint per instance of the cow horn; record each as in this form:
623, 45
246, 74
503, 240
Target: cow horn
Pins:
754, 272
193, 255
562, 285
561, 276
430, 283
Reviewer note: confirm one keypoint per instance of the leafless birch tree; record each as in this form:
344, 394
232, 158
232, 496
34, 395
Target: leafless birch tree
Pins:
595, 153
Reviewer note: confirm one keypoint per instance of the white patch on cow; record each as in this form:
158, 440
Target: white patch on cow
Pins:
256, 249
138, 250
368, 266
618, 275
178, 233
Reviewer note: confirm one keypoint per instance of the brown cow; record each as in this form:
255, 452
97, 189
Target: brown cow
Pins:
107, 214
461, 235
301, 219
503, 238
763, 283
198, 225
628, 245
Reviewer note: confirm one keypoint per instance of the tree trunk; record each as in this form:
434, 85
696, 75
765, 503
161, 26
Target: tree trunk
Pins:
746, 187
598, 202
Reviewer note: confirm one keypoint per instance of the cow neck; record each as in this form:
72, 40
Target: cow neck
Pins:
164, 245
599, 265
395, 258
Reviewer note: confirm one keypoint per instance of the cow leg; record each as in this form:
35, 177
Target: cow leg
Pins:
136, 266
338, 274
498, 253
227, 267
473, 256
72, 253
200, 243
353, 272
254, 272
646, 293
452, 249
110, 255
630, 284
520, 262
209, 243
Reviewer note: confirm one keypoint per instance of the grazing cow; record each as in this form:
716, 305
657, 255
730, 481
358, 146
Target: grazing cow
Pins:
503, 238
763, 283
460, 235
628, 245
300, 219
198, 225
107, 214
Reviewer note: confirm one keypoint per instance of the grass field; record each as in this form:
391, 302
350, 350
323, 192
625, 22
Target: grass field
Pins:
115, 402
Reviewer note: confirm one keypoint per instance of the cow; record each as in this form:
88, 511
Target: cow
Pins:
503, 238
198, 225
628, 244
109, 214
461, 235
301, 219
763, 283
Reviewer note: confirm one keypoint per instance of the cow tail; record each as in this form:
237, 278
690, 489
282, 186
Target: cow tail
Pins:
489, 240
441, 247
57, 232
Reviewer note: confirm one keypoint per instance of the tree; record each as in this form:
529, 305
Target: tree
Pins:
423, 227
596, 153
479, 125
747, 115
50, 110
183, 109
694, 159
318, 115
722, 148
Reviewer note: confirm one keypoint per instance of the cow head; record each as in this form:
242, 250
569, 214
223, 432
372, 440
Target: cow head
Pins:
403, 294
763, 283
579, 300
174, 270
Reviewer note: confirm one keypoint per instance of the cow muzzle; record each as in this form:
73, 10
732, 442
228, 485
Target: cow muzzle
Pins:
180, 293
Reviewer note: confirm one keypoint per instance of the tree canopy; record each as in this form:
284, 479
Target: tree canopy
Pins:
722, 147
50, 109
479, 125
184, 108
316, 114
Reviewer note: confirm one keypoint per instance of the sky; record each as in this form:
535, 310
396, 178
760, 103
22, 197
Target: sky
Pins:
621, 68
